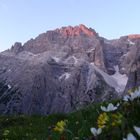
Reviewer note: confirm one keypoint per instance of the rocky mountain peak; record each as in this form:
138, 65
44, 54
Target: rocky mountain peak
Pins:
76, 31
78, 36
66, 68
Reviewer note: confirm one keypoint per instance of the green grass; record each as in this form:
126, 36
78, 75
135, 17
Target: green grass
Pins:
22, 127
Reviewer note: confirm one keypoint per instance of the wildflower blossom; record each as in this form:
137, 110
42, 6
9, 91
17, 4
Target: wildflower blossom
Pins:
132, 95
95, 131
60, 126
136, 93
102, 120
137, 129
130, 136
110, 107
126, 98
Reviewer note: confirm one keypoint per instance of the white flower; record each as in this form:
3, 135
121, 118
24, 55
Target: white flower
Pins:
137, 129
110, 107
132, 96
136, 94
95, 131
126, 98
130, 136
118, 104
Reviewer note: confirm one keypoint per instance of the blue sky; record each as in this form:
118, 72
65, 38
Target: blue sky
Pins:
21, 20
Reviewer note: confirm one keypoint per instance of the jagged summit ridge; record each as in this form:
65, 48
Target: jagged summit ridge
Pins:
73, 36
76, 30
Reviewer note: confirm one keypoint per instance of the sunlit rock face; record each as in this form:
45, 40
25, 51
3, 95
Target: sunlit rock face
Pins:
78, 37
64, 69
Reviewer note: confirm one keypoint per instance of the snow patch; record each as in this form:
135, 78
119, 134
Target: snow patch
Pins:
92, 63
75, 59
123, 68
130, 42
90, 50
126, 54
9, 86
65, 76
121, 79
56, 59
9, 70
117, 81
109, 80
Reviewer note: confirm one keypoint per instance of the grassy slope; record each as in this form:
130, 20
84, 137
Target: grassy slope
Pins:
79, 123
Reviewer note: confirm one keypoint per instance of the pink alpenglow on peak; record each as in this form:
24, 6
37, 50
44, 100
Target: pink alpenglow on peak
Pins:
76, 31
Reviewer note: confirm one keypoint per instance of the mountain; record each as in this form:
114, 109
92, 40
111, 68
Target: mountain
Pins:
64, 69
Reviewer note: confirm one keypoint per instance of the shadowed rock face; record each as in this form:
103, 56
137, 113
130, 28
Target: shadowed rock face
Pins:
134, 75
62, 70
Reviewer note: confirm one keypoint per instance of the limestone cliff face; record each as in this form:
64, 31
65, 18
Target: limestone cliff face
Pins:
44, 85
134, 75
64, 69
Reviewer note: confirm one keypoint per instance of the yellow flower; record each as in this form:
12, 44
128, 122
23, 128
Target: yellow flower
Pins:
60, 126
102, 120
